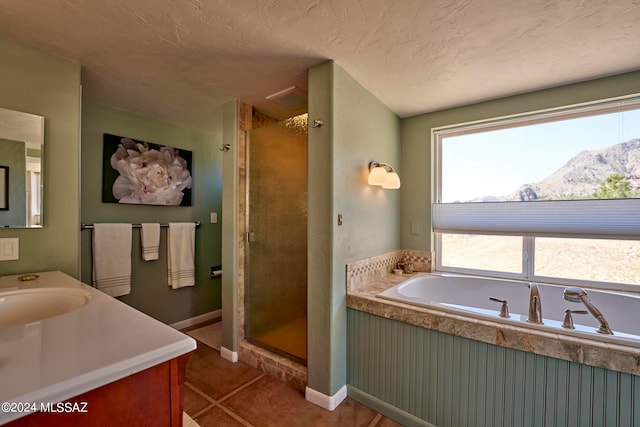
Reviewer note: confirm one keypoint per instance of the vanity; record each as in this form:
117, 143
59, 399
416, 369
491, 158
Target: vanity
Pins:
72, 355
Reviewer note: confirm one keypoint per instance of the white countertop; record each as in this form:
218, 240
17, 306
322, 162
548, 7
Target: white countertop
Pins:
63, 356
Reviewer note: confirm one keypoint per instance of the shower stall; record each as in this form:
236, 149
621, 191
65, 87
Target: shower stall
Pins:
276, 253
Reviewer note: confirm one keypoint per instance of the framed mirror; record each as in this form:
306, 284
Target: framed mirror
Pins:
21, 154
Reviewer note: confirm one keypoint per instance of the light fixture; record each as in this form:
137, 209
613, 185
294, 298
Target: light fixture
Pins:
384, 175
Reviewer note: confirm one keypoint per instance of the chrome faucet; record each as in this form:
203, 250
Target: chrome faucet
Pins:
535, 305
575, 294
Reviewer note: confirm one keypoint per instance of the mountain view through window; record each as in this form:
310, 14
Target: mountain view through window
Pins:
583, 158
580, 161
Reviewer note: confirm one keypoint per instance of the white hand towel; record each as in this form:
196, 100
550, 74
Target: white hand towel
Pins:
150, 241
112, 258
181, 247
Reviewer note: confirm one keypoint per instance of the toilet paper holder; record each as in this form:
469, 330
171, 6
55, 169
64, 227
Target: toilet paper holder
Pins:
216, 271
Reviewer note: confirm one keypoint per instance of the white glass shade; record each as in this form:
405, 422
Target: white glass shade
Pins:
377, 176
392, 180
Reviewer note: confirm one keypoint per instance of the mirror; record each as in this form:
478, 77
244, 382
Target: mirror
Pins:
21, 154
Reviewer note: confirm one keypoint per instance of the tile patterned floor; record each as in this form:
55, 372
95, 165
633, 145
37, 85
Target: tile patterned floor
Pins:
220, 393
210, 334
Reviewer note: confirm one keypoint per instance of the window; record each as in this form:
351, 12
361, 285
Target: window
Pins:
551, 196
480, 252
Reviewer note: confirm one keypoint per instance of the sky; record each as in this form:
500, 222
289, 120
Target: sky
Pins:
497, 162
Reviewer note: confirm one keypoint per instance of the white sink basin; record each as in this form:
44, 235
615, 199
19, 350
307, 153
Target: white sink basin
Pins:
18, 307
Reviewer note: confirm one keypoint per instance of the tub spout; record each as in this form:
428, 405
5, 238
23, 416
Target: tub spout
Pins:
535, 305
575, 294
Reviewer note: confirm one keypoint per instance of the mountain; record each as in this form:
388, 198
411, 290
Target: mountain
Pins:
582, 174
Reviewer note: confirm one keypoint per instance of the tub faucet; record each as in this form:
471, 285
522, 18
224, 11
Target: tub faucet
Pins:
535, 305
575, 294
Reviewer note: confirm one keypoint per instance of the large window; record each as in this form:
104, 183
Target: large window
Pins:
551, 196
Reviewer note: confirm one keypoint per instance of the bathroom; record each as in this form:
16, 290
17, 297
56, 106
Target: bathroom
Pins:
357, 128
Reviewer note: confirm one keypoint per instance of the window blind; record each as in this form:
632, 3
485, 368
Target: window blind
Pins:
616, 219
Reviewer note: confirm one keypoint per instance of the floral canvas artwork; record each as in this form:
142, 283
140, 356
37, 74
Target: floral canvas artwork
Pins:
138, 172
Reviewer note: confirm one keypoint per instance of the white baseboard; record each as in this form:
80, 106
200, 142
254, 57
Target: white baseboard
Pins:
322, 400
216, 314
231, 356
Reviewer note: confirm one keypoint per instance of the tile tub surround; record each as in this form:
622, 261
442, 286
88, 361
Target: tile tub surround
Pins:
620, 358
368, 270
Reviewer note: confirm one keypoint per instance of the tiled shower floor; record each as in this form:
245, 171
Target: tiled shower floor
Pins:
220, 393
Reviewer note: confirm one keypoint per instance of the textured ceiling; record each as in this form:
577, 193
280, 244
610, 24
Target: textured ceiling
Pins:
180, 60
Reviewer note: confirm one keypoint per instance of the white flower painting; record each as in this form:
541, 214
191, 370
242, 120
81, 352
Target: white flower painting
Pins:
138, 172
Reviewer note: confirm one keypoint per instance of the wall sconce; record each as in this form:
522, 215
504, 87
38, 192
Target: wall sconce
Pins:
384, 175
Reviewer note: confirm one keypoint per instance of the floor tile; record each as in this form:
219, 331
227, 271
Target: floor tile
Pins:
193, 401
216, 417
387, 422
211, 335
201, 357
269, 402
215, 376
244, 396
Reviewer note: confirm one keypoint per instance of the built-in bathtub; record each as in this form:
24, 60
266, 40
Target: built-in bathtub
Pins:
470, 296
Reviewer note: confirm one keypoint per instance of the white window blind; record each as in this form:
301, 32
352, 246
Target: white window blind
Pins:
619, 218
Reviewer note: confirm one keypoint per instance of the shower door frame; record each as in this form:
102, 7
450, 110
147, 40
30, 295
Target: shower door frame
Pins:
247, 261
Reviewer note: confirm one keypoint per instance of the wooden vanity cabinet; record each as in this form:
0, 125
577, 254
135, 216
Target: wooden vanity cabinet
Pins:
153, 397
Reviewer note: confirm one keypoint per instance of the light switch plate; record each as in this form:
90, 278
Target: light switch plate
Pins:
214, 217
9, 249
415, 227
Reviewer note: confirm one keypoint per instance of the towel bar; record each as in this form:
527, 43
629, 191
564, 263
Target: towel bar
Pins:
90, 226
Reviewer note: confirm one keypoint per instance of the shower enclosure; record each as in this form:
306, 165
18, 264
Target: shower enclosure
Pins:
276, 254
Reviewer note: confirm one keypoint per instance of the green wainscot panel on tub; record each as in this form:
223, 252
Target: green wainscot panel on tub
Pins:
451, 381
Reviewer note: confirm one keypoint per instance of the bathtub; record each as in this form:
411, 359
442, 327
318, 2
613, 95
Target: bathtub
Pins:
469, 296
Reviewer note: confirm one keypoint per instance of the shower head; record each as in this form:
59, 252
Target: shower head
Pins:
574, 294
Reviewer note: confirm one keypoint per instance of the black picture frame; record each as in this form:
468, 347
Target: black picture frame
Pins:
139, 172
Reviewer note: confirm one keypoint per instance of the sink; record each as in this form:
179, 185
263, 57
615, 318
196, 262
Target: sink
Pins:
23, 306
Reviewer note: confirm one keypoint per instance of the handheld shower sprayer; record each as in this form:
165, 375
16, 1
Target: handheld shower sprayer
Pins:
575, 294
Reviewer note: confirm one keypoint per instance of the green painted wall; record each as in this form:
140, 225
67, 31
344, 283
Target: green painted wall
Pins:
48, 86
417, 152
408, 372
150, 292
230, 118
321, 330
13, 155
357, 129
